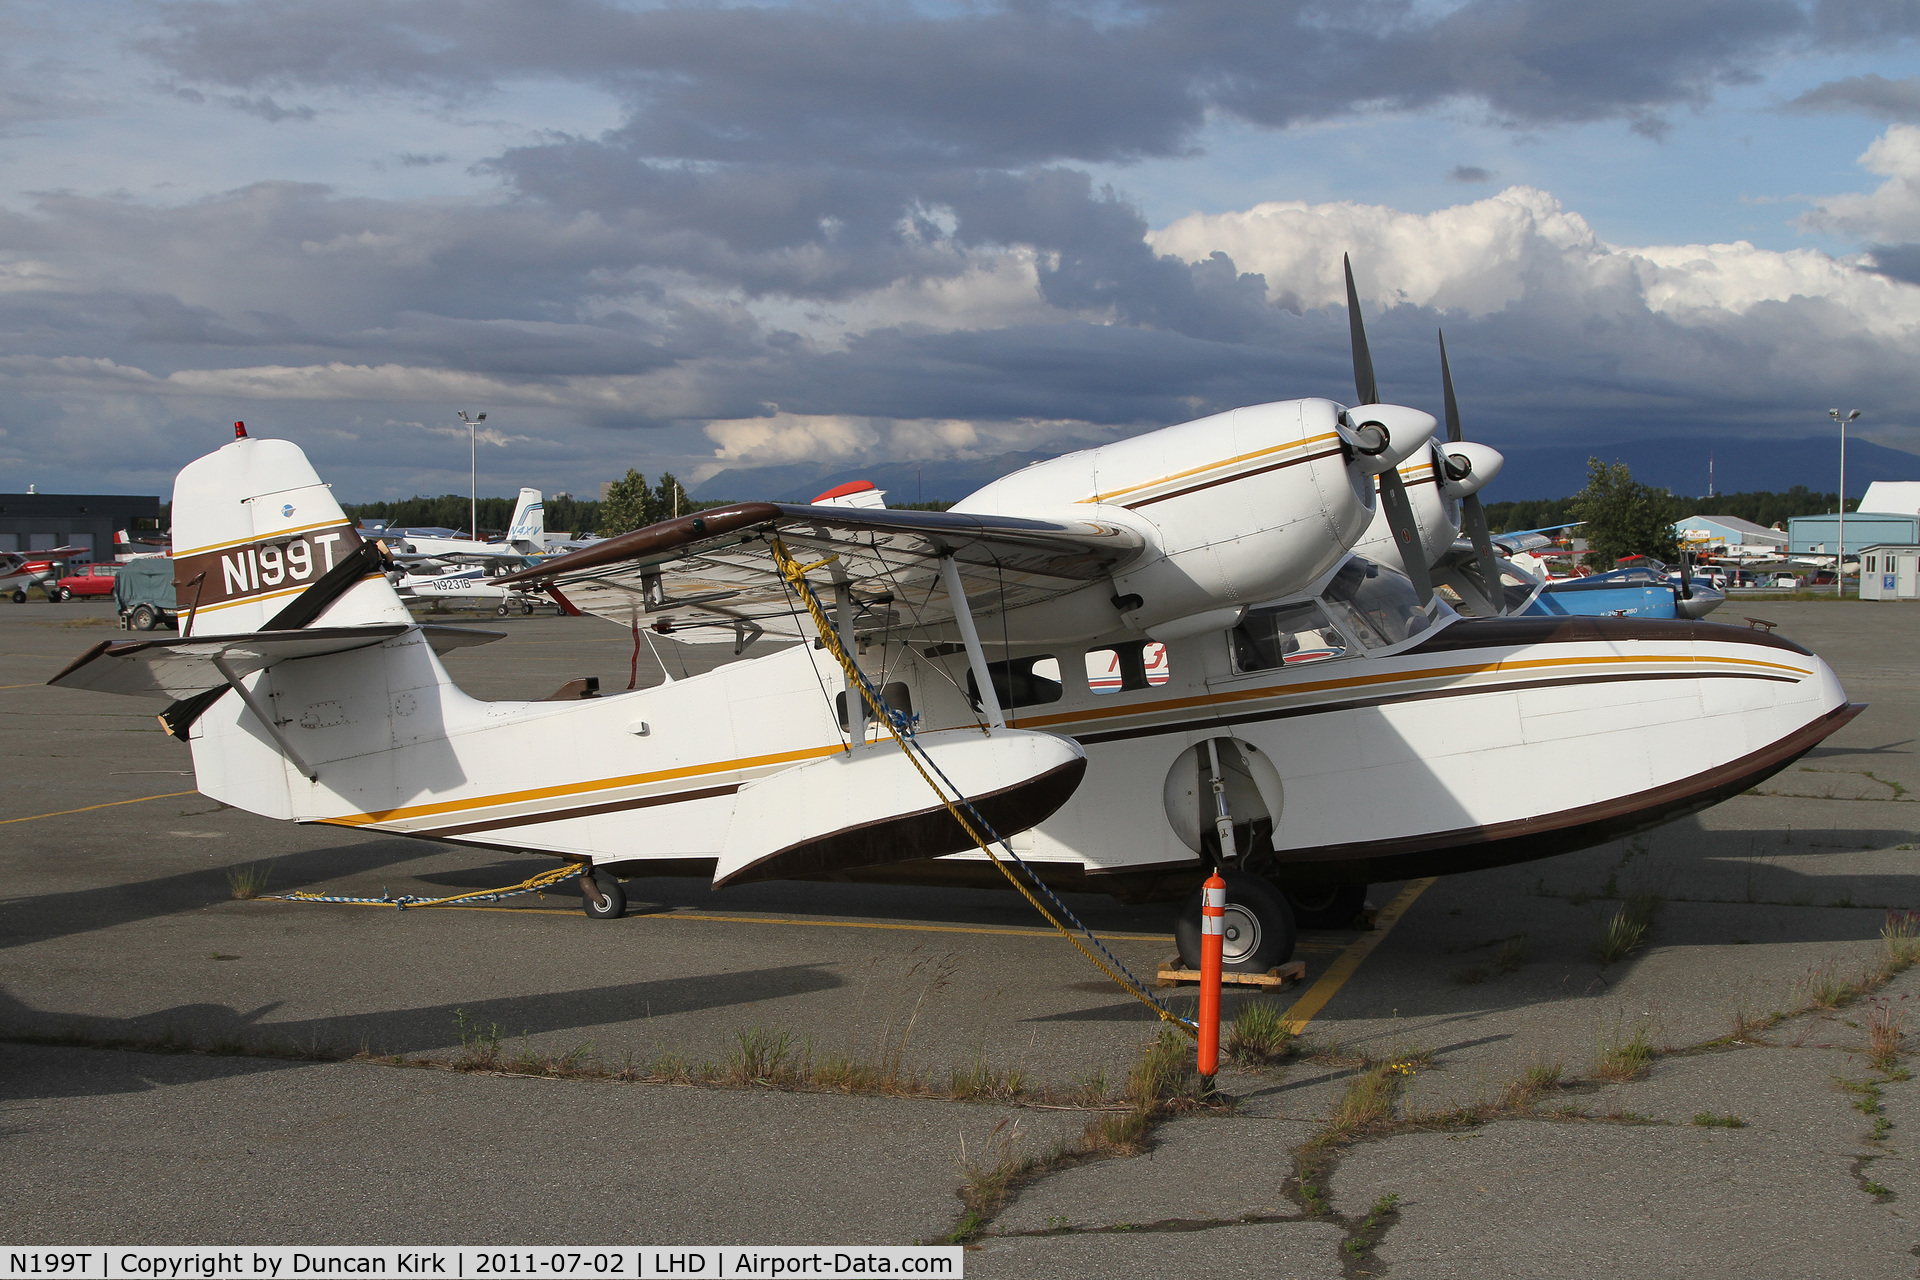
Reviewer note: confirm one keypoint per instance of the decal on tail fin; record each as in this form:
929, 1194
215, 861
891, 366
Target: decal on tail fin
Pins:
254, 527
529, 529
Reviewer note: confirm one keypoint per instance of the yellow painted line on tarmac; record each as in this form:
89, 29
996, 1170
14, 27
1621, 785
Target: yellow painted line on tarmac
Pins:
61, 813
32, 684
1316, 996
816, 924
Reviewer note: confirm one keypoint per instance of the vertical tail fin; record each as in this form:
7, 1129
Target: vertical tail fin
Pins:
528, 532
254, 529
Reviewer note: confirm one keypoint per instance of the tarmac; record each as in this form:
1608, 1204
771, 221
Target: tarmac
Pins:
181, 1066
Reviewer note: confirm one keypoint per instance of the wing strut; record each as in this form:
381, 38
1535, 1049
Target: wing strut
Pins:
264, 714
976, 657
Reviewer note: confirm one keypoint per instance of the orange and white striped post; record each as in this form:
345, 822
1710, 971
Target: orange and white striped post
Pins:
1213, 913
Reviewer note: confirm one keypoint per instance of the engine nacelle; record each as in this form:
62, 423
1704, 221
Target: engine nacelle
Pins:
1237, 508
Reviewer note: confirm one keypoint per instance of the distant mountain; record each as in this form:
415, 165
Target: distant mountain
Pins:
1680, 466
904, 481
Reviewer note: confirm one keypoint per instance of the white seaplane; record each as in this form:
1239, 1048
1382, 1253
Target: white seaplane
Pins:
1313, 719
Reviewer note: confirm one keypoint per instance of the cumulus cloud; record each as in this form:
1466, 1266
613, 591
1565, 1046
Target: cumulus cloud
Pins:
1890, 212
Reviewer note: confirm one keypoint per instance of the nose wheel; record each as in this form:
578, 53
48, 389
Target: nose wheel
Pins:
601, 896
1257, 933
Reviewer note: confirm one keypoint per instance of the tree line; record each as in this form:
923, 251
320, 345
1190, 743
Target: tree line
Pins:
1625, 517
1764, 509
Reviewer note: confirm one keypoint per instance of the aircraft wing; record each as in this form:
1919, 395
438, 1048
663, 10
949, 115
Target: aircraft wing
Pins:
1530, 539
711, 576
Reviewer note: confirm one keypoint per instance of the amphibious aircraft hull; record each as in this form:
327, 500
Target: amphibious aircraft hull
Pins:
1418, 763
1412, 762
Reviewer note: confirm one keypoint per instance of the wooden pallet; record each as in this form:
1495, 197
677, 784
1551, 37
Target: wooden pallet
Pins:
1172, 975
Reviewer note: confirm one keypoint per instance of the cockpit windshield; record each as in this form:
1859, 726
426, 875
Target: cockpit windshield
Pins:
1378, 606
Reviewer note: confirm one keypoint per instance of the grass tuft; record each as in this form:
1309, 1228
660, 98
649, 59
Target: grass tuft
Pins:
1627, 931
1260, 1034
1886, 1033
248, 880
1619, 1060
1537, 1081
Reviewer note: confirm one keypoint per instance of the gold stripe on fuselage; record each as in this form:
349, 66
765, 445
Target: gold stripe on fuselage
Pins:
1087, 716
1212, 466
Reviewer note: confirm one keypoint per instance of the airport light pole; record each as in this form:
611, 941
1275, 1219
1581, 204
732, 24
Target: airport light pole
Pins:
1840, 561
473, 467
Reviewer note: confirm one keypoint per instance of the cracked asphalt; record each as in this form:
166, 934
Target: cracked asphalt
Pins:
118, 926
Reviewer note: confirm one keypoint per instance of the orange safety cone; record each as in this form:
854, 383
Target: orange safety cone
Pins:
1213, 912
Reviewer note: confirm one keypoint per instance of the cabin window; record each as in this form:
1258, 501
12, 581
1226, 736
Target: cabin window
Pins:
1378, 606
1284, 636
895, 695
1141, 664
1020, 682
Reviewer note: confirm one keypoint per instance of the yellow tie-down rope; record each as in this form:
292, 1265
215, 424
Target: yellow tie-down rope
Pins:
796, 574
532, 884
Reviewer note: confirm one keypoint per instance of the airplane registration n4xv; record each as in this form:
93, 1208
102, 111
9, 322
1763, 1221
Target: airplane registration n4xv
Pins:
1129, 665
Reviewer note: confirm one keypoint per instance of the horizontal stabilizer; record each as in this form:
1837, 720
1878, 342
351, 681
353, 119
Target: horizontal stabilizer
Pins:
176, 669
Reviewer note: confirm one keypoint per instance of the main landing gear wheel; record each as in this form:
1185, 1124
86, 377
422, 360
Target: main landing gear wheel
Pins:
19, 597
602, 896
1326, 906
1258, 930
502, 611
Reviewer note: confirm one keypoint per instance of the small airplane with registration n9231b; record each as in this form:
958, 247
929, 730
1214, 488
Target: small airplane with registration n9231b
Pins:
1118, 670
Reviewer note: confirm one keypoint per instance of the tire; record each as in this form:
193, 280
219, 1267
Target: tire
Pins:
611, 903
502, 610
1326, 906
526, 608
1259, 926
142, 618
19, 597
64, 594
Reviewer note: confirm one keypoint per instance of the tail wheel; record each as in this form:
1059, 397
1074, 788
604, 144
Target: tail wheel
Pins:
601, 896
1258, 932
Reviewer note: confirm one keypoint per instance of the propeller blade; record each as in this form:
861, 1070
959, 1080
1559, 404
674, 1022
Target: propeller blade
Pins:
1474, 517
1364, 383
1406, 533
1454, 435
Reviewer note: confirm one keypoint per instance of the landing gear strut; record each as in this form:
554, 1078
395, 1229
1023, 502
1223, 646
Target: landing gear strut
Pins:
601, 895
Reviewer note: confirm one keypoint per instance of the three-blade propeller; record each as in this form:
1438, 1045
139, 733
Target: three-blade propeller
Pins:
1393, 490
1473, 516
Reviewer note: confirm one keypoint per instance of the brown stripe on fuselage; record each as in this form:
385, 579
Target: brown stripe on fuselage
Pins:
1238, 475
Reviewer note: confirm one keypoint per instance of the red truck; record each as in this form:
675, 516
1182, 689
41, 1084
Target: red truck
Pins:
85, 580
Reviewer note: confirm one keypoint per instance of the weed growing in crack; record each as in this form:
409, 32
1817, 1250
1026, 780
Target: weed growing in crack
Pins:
1260, 1034
1708, 1120
1826, 987
1618, 1060
1875, 1190
1866, 1094
1627, 931
981, 1080
479, 1044
1370, 1228
1886, 1033
1513, 953
1532, 1085
249, 880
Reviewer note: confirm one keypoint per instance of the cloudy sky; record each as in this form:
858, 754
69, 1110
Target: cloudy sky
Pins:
731, 235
